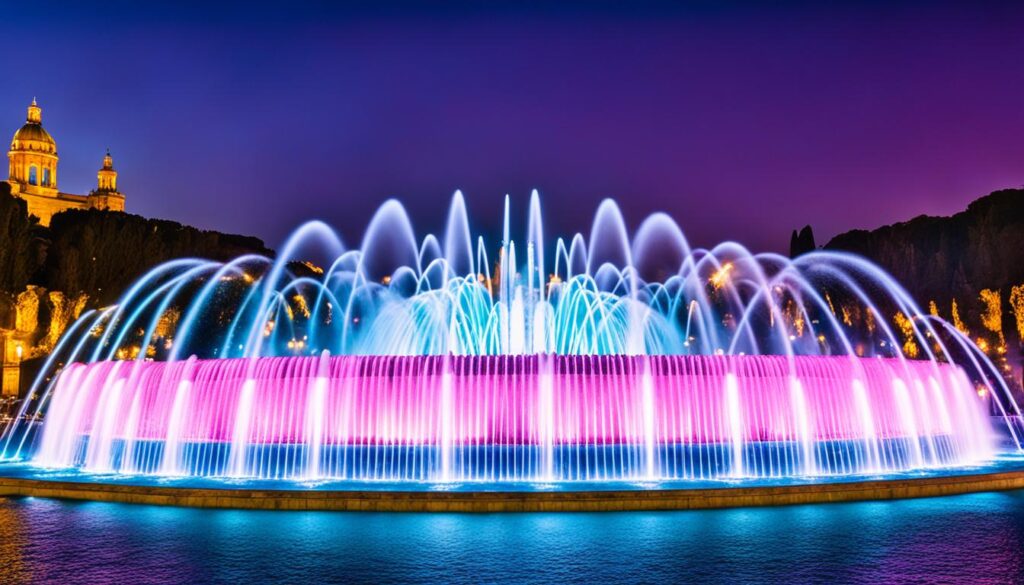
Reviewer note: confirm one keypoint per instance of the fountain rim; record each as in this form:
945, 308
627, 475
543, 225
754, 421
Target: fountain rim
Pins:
618, 500
500, 360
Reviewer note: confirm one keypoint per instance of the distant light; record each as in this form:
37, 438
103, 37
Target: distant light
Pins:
721, 276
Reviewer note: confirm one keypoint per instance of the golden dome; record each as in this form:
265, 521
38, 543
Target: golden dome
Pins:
32, 136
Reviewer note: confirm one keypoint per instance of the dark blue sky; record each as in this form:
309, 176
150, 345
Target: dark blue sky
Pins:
740, 121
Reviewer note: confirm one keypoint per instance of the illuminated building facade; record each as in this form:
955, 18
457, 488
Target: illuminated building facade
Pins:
32, 174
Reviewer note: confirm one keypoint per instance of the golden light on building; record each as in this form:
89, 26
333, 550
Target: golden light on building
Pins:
1017, 306
312, 267
906, 329
129, 353
793, 314
553, 281
300, 302
958, 323
798, 324
992, 317
847, 317
32, 174
106, 177
721, 276
831, 307
168, 323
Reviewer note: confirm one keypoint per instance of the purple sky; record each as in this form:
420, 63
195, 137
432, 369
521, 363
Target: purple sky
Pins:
742, 123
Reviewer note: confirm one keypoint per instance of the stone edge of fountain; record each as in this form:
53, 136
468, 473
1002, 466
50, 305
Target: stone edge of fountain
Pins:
483, 502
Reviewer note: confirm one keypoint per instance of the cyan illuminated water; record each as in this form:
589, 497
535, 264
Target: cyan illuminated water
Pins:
23, 470
965, 539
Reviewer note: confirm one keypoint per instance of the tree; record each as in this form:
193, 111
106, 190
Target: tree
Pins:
101, 253
802, 242
18, 250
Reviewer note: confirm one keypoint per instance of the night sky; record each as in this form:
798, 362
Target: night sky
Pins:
741, 122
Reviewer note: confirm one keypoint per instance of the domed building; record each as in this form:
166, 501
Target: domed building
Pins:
32, 174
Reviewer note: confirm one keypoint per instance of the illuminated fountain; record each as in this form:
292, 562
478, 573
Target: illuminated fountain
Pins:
420, 360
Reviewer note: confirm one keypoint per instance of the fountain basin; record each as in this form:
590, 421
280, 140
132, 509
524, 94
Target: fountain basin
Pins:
21, 481
493, 419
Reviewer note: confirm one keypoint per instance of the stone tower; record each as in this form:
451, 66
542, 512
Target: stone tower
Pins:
106, 195
33, 156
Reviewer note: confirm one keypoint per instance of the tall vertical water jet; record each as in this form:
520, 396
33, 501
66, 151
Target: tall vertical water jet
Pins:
905, 411
316, 412
171, 464
98, 455
867, 422
735, 420
447, 415
649, 421
131, 432
240, 429
546, 407
803, 425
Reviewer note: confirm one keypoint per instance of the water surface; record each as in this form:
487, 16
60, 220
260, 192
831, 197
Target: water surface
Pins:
974, 538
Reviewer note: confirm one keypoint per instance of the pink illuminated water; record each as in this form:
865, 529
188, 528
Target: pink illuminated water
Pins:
536, 417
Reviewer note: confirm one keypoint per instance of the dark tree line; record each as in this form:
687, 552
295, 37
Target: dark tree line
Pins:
99, 253
943, 258
18, 250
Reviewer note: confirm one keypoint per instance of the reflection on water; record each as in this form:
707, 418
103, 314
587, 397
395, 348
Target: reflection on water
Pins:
975, 538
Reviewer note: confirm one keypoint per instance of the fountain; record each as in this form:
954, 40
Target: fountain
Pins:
426, 362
